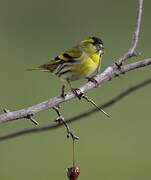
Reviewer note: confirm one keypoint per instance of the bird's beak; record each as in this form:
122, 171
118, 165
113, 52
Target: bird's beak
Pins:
102, 51
100, 48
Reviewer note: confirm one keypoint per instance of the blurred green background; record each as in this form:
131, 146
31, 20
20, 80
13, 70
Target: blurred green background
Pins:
33, 31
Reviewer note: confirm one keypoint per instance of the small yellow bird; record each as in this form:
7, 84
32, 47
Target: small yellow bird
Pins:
79, 62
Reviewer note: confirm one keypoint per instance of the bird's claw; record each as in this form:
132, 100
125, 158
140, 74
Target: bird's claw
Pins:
77, 92
63, 94
93, 80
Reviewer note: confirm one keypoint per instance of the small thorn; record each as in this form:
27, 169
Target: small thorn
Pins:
59, 119
34, 121
56, 108
6, 110
118, 65
30, 117
76, 137
72, 134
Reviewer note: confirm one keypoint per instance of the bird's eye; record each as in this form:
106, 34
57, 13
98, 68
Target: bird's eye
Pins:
101, 45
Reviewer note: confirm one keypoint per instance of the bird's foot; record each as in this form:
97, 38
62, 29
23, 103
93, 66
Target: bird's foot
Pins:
77, 92
93, 80
63, 94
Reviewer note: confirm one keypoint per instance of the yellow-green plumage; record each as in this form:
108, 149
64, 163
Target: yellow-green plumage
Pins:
81, 61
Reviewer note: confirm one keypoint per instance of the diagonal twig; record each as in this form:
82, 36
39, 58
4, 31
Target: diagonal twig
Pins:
94, 104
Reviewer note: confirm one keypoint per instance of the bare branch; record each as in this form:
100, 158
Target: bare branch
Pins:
135, 36
54, 125
107, 75
110, 73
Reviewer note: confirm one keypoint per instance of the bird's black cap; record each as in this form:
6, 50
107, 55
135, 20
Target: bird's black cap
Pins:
97, 40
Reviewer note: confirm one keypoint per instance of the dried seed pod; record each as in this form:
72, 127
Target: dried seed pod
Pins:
73, 172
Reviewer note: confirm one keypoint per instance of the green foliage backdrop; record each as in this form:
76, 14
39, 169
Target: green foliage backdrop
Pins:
33, 31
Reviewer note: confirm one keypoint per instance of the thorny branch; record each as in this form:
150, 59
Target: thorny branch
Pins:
107, 75
54, 125
60, 120
111, 72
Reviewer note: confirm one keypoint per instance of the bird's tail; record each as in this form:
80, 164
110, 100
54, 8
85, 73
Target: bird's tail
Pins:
39, 68
33, 69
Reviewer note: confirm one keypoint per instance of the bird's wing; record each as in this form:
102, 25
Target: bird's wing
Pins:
70, 55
